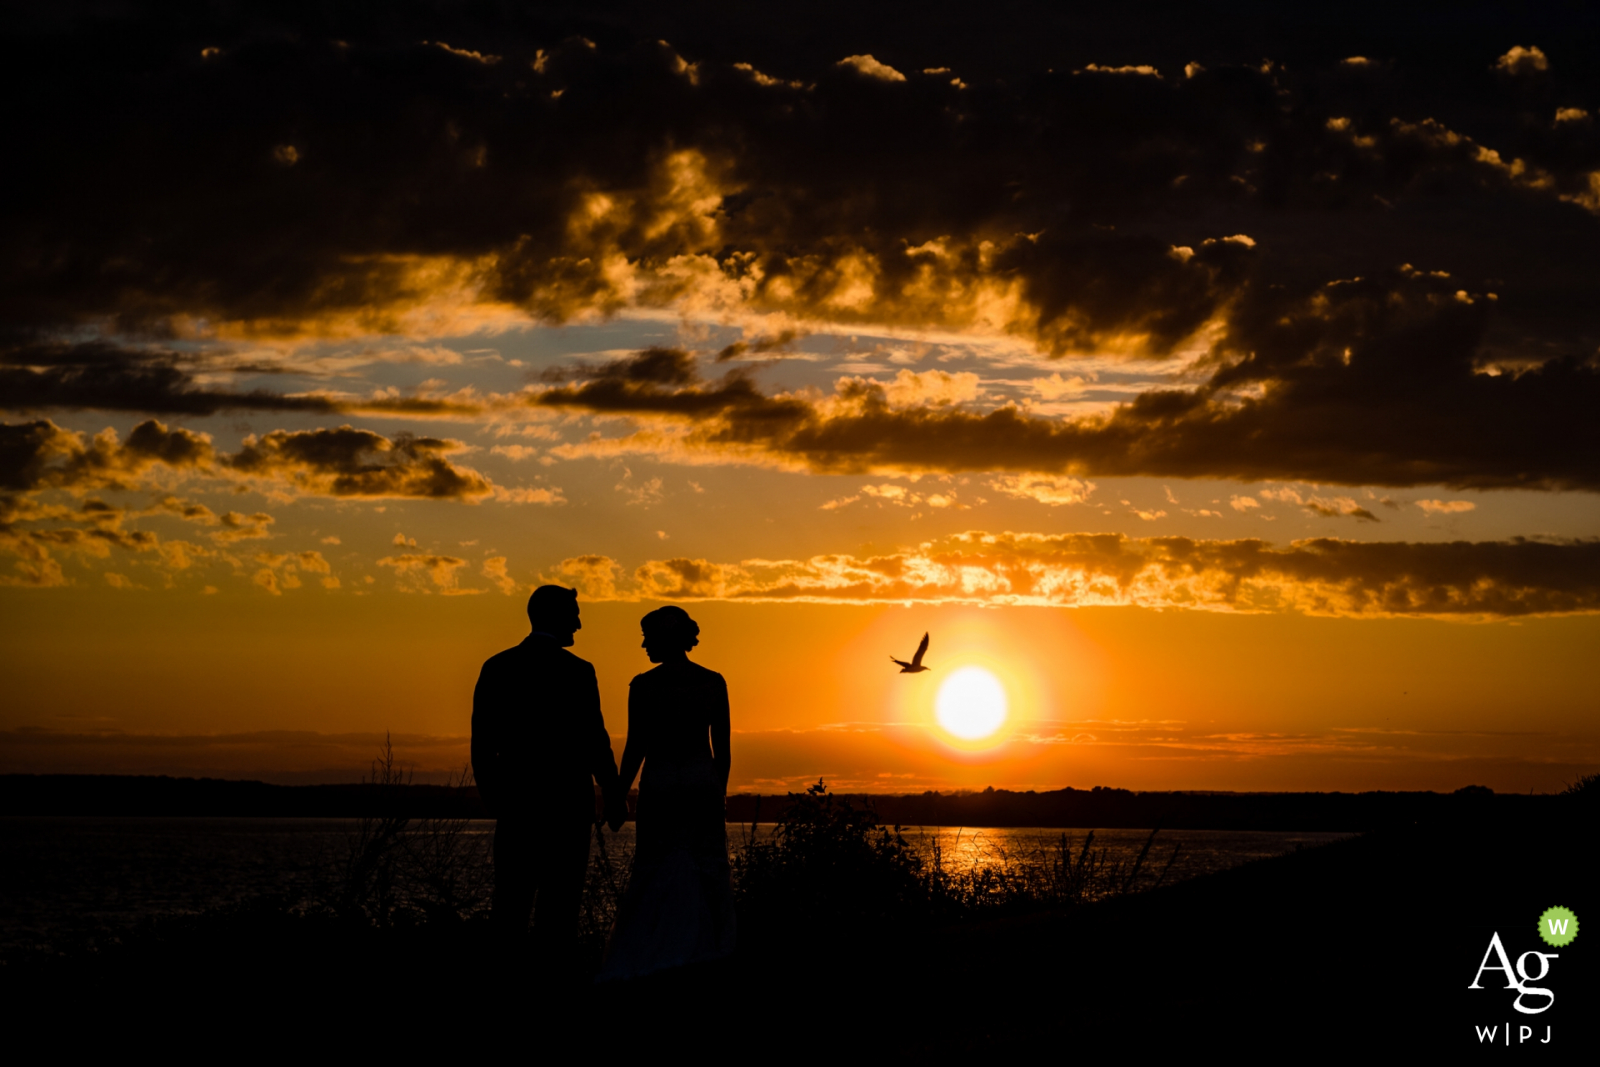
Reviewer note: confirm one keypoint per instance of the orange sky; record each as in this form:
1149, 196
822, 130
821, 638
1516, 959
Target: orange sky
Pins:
244, 685
1199, 633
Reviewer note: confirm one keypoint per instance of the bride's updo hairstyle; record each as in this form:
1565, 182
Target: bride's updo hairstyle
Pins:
670, 627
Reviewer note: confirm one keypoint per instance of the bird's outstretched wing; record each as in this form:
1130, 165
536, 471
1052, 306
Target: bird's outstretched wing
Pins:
902, 662
922, 650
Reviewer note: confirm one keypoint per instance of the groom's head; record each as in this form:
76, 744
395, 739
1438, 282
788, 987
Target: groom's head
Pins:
553, 610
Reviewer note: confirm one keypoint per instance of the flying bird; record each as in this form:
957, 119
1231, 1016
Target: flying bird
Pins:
916, 661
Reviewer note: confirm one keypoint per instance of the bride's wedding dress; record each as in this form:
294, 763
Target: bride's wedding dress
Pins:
678, 907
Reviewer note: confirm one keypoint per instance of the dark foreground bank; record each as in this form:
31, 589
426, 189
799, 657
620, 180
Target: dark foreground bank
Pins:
1367, 945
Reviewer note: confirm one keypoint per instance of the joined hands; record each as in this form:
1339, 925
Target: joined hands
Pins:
616, 814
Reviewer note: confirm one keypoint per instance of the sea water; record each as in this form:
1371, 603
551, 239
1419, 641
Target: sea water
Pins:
64, 880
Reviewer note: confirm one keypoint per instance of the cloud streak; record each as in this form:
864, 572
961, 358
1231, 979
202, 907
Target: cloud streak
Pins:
344, 462
347, 462
1357, 414
40, 458
1321, 576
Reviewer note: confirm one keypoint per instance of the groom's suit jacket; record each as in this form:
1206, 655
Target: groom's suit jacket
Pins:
538, 739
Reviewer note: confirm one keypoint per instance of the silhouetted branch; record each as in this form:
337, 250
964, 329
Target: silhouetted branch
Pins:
1172, 859
1139, 863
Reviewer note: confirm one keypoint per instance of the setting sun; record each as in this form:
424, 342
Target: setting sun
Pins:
971, 704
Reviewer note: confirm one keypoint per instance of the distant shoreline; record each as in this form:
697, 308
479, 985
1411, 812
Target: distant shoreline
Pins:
151, 795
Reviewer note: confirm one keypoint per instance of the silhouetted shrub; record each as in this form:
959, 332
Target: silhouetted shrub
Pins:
398, 869
827, 866
602, 895
1585, 791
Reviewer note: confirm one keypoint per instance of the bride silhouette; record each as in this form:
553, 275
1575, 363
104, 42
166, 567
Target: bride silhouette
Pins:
678, 907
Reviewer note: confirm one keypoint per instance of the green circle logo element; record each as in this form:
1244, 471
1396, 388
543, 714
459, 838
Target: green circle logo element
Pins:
1558, 926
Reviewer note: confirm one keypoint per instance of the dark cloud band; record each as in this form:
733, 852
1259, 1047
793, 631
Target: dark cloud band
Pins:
1357, 410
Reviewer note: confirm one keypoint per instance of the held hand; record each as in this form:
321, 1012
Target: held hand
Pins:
616, 815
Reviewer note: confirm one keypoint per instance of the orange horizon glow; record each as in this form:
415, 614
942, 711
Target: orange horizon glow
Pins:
1115, 697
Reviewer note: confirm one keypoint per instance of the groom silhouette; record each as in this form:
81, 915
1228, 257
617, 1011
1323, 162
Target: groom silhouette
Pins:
538, 745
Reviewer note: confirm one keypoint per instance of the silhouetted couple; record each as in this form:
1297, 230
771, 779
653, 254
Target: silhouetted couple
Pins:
539, 745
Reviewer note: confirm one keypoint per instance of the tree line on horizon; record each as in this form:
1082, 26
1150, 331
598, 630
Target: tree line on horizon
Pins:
1106, 807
